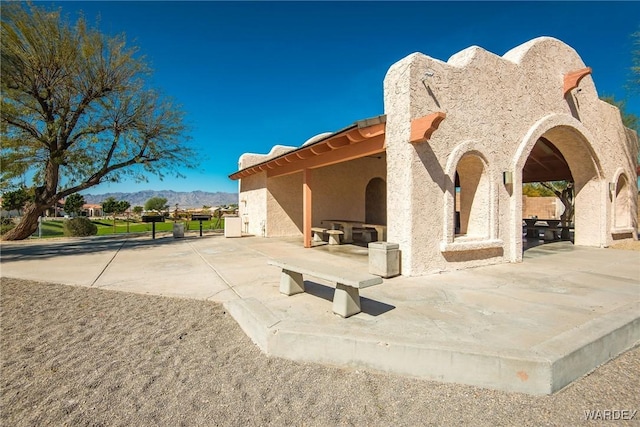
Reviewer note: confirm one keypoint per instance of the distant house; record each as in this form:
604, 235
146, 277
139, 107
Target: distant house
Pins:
56, 211
92, 210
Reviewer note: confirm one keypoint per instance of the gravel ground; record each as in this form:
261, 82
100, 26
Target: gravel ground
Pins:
80, 356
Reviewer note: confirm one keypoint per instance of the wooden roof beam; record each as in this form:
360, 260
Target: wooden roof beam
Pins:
572, 79
423, 127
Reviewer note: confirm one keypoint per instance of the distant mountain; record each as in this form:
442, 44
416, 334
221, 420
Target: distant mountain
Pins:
193, 199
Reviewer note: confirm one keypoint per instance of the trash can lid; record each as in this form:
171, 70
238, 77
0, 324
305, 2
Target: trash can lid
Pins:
383, 245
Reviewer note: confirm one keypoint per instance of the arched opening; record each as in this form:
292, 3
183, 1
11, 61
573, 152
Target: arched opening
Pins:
622, 204
376, 202
548, 195
473, 191
561, 137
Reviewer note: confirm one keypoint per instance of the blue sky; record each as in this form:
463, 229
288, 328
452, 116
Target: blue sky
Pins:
250, 75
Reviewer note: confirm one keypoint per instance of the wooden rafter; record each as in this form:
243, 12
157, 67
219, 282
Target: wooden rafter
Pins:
351, 143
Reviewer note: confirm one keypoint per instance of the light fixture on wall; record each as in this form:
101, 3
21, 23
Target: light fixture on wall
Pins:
428, 73
507, 178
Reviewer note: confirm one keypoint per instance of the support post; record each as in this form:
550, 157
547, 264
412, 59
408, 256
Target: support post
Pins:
306, 207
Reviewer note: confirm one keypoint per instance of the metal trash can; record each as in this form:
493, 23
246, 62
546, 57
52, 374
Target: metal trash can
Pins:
384, 259
178, 229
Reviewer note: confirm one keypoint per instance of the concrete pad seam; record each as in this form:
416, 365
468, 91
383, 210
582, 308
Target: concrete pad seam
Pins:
215, 271
218, 292
107, 265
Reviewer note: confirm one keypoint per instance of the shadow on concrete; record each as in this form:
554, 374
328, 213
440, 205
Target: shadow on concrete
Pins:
368, 306
44, 249
543, 246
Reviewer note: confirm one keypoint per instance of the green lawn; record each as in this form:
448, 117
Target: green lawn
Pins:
105, 226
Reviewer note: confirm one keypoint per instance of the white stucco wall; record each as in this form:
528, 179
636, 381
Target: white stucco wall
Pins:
496, 107
284, 206
339, 190
252, 207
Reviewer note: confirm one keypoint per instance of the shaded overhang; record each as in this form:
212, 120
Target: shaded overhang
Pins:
546, 163
363, 138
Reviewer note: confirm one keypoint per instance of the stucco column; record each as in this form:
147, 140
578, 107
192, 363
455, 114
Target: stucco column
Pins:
306, 207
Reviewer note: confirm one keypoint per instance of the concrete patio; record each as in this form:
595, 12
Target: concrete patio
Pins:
531, 327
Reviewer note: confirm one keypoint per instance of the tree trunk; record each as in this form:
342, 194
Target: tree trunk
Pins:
28, 224
46, 196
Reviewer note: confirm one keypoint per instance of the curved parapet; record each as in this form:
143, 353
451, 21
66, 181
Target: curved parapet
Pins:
249, 159
478, 90
316, 138
539, 48
470, 56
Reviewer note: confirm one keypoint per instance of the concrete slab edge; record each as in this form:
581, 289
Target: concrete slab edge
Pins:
427, 362
543, 371
438, 363
254, 318
594, 344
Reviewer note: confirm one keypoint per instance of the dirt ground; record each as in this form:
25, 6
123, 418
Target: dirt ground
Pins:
81, 356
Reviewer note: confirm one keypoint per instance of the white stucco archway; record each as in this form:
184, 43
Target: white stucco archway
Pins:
482, 177
574, 142
376, 201
621, 218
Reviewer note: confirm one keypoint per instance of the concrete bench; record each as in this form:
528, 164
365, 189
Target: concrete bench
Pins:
346, 299
318, 233
334, 236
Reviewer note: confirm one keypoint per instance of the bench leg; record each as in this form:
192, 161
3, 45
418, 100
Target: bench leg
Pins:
334, 239
346, 301
291, 283
317, 237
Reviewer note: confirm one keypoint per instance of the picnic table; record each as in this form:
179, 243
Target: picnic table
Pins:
550, 227
350, 226
343, 224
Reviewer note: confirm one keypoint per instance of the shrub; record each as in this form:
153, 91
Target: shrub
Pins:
6, 224
78, 227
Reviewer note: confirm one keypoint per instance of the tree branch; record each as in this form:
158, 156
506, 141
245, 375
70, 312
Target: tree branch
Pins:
28, 128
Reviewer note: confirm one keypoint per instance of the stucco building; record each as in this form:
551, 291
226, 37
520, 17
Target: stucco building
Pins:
478, 124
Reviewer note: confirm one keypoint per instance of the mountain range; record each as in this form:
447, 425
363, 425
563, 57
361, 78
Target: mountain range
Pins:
192, 199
